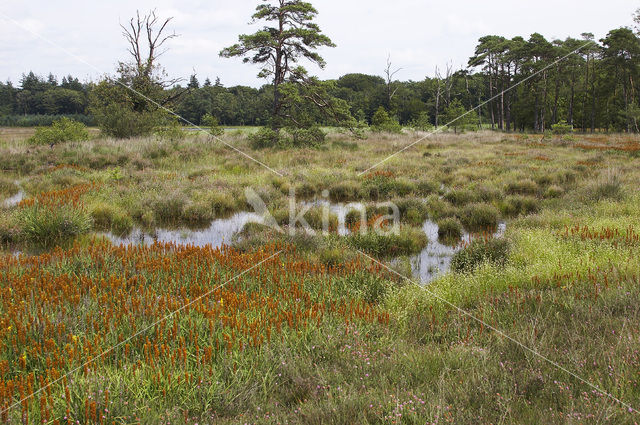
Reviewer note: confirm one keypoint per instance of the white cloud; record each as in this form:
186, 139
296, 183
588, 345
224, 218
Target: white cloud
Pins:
419, 34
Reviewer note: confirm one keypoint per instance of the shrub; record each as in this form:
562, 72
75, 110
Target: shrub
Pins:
62, 130
522, 187
516, 205
266, 138
449, 229
562, 127
48, 226
382, 122
421, 122
210, 123
481, 251
480, 216
307, 137
172, 132
121, 122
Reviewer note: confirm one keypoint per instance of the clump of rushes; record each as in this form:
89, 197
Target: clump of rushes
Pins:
7, 187
408, 240
553, 191
521, 187
110, 218
48, 226
439, 208
478, 217
427, 187
198, 214
493, 250
168, 209
412, 211
449, 229
513, 206
460, 197
344, 191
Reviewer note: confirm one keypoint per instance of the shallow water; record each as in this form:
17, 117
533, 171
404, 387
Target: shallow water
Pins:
435, 259
14, 200
219, 232
340, 210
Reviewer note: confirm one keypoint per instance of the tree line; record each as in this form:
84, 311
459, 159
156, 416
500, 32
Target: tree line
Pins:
589, 84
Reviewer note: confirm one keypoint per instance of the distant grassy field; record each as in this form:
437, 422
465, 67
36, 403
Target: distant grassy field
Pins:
318, 333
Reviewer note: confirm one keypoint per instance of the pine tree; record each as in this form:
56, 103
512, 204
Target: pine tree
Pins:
277, 49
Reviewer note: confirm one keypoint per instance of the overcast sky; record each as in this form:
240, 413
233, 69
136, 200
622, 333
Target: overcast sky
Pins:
418, 34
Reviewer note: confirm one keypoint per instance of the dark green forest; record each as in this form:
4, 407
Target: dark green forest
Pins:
594, 89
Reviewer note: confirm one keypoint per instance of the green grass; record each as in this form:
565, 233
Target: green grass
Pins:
574, 299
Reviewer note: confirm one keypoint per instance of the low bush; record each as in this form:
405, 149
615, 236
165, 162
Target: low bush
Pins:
210, 123
172, 132
62, 130
266, 138
481, 251
481, 216
307, 137
562, 127
49, 226
121, 122
382, 122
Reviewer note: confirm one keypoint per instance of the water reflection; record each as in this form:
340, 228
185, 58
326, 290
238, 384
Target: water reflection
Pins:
220, 231
435, 259
14, 200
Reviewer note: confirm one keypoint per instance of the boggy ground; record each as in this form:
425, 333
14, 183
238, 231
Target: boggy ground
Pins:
318, 333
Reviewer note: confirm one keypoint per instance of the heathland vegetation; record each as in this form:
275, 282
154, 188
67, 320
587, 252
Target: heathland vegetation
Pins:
533, 317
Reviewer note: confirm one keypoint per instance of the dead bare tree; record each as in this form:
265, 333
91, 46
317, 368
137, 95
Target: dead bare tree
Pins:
147, 36
389, 73
443, 88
